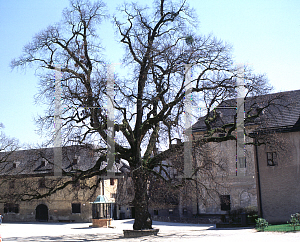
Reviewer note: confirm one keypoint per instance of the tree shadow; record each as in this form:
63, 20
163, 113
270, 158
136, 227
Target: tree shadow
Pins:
73, 238
126, 221
84, 228
232, 228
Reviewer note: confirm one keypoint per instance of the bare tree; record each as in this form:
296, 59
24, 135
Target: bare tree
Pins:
149, 102
7, 144
8, 147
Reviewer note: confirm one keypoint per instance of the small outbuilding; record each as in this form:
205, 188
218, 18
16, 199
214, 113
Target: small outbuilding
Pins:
101, 212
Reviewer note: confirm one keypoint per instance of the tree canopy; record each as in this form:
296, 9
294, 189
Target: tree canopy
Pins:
159, 42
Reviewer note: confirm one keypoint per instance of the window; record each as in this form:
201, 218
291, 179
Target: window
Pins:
225, 202
75, 184
11, 208
184, 211
76, 208
16, 164
113, 195
271, 158
171, 211
76, 160
12, 185
155, 212
175, 173
112, 181
42, 183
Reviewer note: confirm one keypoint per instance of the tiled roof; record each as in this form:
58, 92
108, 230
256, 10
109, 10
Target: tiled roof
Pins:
39, 162
283, 110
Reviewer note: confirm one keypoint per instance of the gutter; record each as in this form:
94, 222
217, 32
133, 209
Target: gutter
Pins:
260, 211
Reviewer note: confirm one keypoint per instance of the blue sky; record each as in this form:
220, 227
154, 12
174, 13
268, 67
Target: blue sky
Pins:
265, 34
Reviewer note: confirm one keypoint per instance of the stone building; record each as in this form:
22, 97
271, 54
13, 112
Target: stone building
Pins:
270, 184
279, 162
31, 172
214, 195
271, 181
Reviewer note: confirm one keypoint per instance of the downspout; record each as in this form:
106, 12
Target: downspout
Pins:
195, 162
103, 186
260, 212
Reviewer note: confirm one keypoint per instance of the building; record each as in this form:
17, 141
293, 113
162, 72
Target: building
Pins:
28, 174
278, 162
271, 181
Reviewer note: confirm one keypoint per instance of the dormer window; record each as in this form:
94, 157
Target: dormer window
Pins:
43, 162
76, 160
42, 183
16, 164
12, 184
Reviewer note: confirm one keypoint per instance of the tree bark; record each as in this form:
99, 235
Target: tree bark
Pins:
143, 218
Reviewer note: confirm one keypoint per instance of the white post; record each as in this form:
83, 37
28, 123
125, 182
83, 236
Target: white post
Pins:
240, 111
57, 166
110, 120
188, 123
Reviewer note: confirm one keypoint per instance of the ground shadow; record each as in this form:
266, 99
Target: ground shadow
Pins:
160, 223
125, 221
84, 228
232, 228
73, 238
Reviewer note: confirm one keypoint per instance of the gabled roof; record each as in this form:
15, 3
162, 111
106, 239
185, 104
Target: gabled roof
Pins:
39, 162
282, 111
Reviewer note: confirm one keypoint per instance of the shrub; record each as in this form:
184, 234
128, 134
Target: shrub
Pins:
252, 214
295, 220
235, 214
261, 224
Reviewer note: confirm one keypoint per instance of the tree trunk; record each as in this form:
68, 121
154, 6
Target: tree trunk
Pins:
142, 216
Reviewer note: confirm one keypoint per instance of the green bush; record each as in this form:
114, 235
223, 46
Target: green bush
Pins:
295, 220
234, 215
261, 224
252, 214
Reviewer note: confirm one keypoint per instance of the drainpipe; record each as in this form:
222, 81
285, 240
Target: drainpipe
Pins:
103, 186
195, 162
260, 212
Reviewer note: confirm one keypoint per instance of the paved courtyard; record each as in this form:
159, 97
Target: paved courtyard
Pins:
172, 232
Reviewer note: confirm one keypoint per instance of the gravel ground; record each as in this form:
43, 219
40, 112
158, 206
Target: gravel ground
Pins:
171, 232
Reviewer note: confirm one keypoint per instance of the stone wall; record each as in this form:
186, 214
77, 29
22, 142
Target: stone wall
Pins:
59, 205
280, 183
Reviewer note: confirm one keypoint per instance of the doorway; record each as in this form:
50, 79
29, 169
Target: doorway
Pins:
41, 213
132, 212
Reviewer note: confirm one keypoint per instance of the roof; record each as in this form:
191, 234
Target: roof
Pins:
101, 199
282, 111
39, 162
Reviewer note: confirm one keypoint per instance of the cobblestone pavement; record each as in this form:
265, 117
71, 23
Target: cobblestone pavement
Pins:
168, 232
